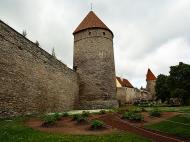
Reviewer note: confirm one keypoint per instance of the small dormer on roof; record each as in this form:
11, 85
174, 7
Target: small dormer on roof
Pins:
91, 21
150, 75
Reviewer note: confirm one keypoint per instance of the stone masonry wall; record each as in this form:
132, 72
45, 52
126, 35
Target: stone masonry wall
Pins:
151, 88
31, 80
126, 95
94, 62
121, 95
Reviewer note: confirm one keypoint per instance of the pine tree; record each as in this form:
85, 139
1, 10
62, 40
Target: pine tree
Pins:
53, 53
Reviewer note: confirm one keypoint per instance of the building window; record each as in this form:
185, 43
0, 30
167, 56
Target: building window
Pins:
104, 33
89, 33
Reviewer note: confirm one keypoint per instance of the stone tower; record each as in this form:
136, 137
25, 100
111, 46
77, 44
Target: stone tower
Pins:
151, 83
94, 62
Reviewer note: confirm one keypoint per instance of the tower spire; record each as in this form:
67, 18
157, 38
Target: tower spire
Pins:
91, 4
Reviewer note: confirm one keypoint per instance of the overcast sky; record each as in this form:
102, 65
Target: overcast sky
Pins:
151, 34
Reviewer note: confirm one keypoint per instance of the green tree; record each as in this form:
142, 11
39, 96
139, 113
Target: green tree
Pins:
181, 94
162, 90
179, 82
176, 85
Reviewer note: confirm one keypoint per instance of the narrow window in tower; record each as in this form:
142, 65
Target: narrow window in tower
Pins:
104, 33
75, 68
89, 33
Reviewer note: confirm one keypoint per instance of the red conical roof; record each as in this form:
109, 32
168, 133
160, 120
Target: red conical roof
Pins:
150, 75
91, 21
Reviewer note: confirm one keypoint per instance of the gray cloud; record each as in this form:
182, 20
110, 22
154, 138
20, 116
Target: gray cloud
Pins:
148, 33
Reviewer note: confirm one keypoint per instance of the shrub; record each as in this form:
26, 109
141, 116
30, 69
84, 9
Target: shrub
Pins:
155, 113
57, 116
85, 113
81, 118
76, 116
97, 124
49, 120
132, 116
102, 112
65, 114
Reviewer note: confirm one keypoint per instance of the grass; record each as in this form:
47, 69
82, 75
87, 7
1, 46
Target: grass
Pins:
174, 126
182, 109
15, 131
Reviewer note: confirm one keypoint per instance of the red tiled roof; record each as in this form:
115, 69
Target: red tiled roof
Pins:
124, 82
150, 75
91, 21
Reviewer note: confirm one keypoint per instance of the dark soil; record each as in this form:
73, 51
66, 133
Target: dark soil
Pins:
67, 126
113, 123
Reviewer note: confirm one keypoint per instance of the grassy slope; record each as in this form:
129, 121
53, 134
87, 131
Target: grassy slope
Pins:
183, 109
14, 131
177, 129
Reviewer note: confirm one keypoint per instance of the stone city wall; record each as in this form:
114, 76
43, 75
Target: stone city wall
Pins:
31, 80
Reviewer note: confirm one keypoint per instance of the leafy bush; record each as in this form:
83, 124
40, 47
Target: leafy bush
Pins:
65, 114
57, 116
49, 120
133, 116
85, 113
102, 112
97, 124
75, 117
81, 118
155, 113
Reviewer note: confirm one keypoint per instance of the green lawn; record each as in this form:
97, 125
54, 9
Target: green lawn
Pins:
182, 109
178, 125
15, 131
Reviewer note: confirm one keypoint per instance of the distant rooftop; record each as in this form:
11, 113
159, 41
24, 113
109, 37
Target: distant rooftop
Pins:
124, 82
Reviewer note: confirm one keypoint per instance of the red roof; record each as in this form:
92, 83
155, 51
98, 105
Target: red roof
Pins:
150, 75
124, 82
91, 21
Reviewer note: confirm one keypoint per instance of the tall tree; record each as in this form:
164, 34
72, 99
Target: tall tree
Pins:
162, 90
179, 82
